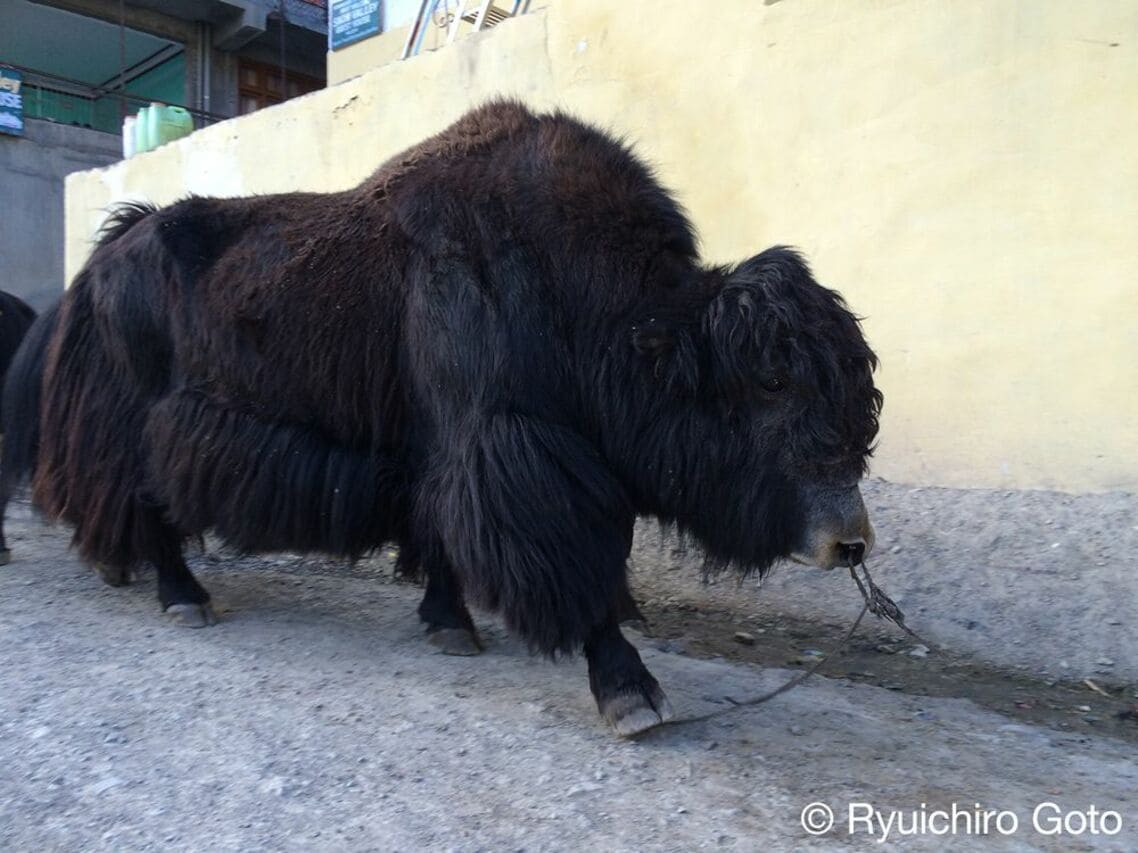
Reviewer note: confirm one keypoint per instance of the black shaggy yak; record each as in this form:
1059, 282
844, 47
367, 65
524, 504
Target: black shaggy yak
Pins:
16, 317
497, 351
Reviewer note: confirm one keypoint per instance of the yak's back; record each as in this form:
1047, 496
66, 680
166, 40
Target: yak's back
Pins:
570, 191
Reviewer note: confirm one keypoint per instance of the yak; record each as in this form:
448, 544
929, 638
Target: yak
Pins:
497, 351
16, 317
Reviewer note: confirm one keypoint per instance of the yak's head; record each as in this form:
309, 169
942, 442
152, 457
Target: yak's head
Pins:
766, 415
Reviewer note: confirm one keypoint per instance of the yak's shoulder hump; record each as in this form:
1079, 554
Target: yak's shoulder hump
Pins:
478, 131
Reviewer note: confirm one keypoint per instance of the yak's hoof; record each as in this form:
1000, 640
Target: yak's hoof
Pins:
5, 556
112, 575
636, 711
455, 641
191, 615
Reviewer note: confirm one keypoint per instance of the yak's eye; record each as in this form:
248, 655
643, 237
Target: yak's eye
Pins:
773, 384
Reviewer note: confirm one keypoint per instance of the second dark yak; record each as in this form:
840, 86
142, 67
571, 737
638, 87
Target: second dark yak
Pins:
497, 351
16, 317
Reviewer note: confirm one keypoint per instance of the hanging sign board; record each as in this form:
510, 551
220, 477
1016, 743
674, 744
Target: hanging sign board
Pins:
11, 101
351, 20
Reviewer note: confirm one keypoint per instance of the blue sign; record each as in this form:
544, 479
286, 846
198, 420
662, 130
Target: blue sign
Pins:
11, 101
351, 20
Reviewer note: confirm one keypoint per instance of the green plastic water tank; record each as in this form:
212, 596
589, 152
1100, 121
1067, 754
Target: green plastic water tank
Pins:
165, 124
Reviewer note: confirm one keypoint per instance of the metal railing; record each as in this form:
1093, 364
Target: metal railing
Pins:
57, 85
481, 15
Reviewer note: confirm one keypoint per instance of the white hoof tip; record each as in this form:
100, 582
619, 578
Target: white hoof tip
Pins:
455, 641
191, 615
112, 575
634, 713
637, 721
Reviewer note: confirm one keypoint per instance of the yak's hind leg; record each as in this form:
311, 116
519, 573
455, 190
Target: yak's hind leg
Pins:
449, 625
185, 601
443, 610
539, 530
113, 575
89, 468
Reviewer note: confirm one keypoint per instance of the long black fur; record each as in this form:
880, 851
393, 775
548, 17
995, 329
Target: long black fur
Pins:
498, 350
20, 407
16, 317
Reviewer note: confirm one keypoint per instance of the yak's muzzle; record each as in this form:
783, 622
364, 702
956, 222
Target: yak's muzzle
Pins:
837, 530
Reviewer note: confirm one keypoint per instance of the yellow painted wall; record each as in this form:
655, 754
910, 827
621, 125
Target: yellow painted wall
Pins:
964, 172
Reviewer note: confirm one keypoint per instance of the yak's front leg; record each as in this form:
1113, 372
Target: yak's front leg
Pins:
627, 695
542, 534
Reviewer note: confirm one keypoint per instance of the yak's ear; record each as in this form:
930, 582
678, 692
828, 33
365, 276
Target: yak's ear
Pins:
744, 337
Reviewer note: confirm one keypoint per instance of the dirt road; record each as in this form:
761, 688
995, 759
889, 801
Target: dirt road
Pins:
314, 717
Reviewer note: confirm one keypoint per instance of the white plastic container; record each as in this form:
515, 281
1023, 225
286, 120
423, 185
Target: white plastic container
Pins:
128, 137
142, 131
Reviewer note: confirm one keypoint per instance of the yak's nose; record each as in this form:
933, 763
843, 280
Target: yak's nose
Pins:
852, 552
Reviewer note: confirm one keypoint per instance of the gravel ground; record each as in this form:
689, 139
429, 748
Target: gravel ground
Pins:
314, 717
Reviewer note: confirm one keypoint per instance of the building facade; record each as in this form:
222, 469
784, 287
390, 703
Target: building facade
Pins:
82, 66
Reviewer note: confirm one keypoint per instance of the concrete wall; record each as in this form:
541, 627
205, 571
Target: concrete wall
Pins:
32, 168
963, 172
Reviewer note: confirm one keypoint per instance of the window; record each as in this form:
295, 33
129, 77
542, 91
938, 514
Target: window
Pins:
259, 85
